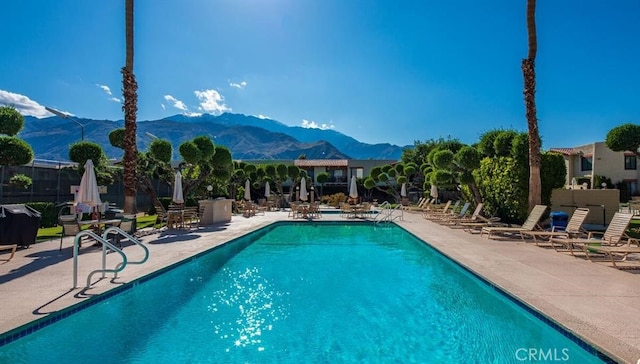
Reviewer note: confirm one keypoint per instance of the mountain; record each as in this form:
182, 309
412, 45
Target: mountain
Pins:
247, 137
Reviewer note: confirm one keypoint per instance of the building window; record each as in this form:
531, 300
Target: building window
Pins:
358, 172
630, 162
586, 163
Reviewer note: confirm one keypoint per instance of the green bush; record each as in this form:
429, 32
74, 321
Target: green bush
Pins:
48, 212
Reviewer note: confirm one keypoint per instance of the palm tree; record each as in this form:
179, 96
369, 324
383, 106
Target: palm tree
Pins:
529, 73
130, 108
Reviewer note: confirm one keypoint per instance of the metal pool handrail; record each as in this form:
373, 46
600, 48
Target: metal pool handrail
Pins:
104, 269
118, 231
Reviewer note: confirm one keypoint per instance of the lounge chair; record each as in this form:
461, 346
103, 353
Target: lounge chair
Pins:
530, 224
422, 205
453, 216
613, 236
433, 211
453, 222
617, 254
572, 230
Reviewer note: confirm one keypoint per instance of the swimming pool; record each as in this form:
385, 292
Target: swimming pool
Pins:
310, 292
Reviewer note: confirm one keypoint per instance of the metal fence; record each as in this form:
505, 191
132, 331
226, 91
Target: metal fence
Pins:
52, 181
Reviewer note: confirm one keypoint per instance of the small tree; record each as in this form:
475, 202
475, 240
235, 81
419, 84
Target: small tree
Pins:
623, 138
13, 150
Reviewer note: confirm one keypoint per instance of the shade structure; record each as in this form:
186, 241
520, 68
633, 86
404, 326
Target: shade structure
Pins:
247, 190
403, 190
178, 196
303, 189
267, 190
88, 192
353, 190
434, 191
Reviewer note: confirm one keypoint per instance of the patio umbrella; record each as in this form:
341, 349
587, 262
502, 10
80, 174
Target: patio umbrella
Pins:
88, 192
353, 190
267, 190
434, 191
403, 190
178, 196
303, 189
247, 190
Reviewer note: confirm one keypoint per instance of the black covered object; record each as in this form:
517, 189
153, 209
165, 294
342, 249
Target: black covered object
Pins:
18, 225
559, 220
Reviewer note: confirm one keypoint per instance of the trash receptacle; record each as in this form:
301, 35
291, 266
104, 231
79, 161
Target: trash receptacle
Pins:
559, 220
18, 225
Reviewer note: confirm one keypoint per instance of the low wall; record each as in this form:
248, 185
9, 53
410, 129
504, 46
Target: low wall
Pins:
602, 204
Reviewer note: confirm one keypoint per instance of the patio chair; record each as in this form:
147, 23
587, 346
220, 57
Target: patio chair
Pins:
161, 212
572, 230
613, 236
530, 224
70, 227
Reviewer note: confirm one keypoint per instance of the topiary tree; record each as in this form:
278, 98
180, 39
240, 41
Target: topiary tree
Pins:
82, 151
623, 138
13, 150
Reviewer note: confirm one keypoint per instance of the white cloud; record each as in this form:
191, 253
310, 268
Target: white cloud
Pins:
23, 104
211, 102
163, 107
260, 116
313, 125
176, 103
105, 88
240, 85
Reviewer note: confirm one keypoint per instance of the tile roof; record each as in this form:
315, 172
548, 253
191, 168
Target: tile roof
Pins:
320, 162
565, 151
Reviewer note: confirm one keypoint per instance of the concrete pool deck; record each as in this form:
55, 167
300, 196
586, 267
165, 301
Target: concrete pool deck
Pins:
598, 303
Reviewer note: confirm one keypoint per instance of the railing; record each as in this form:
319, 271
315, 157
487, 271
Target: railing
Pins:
104, 270
117, 231
387, 213
104, 241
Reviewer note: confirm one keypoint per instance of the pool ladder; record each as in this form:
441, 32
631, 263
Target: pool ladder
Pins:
388, 214
104, 241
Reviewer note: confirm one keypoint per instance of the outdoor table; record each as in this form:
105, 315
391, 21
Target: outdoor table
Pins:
175, 218
100, 223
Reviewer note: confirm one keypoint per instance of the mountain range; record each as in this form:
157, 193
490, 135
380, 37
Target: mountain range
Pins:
248, 137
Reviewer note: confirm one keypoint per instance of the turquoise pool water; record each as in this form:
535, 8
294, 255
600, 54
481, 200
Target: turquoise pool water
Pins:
305, 293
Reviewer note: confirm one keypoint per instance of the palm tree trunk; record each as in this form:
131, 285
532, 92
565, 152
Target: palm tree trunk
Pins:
529, 74
130, 108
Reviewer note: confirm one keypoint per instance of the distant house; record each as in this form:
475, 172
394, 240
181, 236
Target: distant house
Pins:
586, 161
340, 170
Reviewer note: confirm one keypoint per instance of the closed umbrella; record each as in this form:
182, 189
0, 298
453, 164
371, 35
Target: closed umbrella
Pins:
434, 192
403, 190
247, 190
353, 190
88, 192
178, 196
267, 190
303, 189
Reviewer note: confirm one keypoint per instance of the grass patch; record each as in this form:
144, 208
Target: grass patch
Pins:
56, 231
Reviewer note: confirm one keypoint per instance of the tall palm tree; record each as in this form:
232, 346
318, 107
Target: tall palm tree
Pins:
130, 108
529, 73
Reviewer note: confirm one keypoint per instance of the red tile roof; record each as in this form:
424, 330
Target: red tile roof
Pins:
565, 151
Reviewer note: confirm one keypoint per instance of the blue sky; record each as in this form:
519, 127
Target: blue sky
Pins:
379, 71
